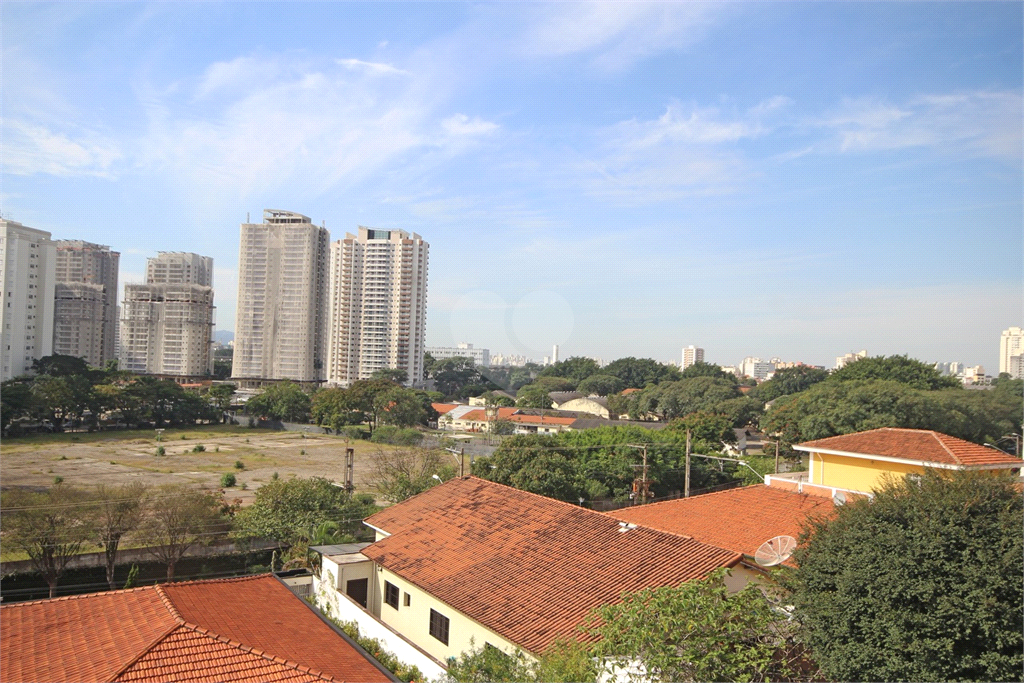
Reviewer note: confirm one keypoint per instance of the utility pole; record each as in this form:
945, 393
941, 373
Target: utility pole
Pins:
641, 485
776, 456
350, 462
686, 480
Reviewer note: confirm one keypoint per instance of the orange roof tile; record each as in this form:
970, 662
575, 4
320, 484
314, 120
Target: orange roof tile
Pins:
915, 445
739, 519
443, 408
542, 419
251, 628
528, 567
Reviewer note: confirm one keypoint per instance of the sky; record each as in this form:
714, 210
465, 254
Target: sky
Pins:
791, 179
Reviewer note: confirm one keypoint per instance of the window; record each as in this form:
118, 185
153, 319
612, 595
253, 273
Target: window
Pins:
391, 594
407, 600
439, 626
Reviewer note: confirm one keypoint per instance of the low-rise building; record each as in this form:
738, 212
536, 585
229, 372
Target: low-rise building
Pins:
245, 629
471, 563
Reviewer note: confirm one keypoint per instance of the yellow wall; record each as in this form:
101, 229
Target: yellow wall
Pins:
855, 474
414, 621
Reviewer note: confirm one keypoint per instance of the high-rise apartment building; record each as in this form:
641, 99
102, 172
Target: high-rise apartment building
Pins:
1011, 343
691, 356
85, 321
378, 305
281, 318
167, 323
28, 262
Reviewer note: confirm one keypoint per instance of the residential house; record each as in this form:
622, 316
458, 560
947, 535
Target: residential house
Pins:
739, 519
859, 462
244, 629
472, 563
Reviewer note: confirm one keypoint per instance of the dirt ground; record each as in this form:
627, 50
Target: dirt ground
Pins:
119, 457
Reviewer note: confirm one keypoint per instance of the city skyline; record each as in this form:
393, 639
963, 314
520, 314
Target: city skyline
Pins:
781, 180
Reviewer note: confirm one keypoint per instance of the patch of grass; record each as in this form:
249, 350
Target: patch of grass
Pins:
58, 480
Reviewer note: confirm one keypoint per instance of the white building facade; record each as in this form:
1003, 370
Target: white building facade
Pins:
167, 323
480, 357
691, 356
85, 308
378, 305
1011, 348
28, 261
281, 317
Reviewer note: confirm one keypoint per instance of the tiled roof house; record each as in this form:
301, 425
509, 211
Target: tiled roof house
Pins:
246, 629
739, 519
476, 559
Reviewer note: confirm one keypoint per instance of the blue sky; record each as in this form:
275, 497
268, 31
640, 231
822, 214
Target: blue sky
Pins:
775, 179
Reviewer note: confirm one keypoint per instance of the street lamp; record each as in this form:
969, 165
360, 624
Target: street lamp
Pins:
1016, 443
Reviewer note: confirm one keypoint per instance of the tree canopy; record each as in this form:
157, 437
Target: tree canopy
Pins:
575, 369
788, 381
281, 401
639, 372
921, 584
670, 400
900, 369
600, 385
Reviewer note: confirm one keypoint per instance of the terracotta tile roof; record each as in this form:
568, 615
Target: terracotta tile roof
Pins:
738, 519
542, 419
443, 408
917, 445
529, 568
252, 628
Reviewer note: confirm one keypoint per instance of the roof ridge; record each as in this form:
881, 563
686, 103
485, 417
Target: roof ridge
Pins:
702, 495
942, 442
238, 645
145, 651
77, 596
169, 604
226, 579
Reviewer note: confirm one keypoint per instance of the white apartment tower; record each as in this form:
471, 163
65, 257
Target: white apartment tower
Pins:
167, 323
281, 321
85, 306
1011, 350
691, 356
27, 269
378, 305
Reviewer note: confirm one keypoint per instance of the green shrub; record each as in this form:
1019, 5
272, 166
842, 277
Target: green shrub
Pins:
352, 432
274, 476
239, 465
57, 480
376, 649
396, 436
198, 448
227, 480
160, 450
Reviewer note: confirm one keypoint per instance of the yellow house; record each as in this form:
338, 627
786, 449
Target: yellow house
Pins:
472, 563
860, 461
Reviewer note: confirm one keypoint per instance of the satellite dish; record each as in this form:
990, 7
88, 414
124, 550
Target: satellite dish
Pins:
839, 498
775, 551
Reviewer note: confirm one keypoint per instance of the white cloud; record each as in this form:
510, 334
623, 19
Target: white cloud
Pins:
460, 124
980, 123
616, 34
372, 67
32, 148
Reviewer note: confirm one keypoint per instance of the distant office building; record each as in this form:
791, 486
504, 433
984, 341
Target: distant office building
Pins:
281, 318
756, 368
85, 321
480, 357
510, 360
848, 358
1011, 344
554, 354
167, 323
691, 356
28, 261
378, 305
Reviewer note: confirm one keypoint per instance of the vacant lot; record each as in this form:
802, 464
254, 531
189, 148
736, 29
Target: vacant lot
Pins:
118, 457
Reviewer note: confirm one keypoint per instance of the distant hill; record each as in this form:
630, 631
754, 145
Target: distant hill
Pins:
223, 336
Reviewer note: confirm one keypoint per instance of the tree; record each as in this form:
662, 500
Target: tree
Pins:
401, 473
639, 372
399, 407
702, 369
391, 375
451, 374
178, 518
669, 400
284, 508
16, 401
220, 397
118, 512
900, 369
60, 365
554, 384
788, 381
284, 401
698, 631
923, 583
49, 527
600, 385
533, 396
492, 398
575, 369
